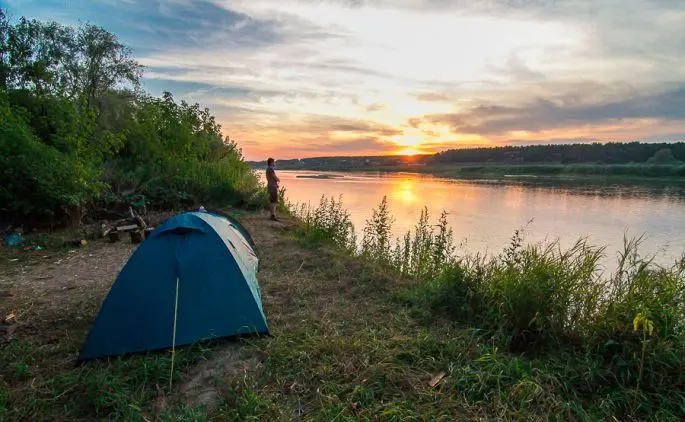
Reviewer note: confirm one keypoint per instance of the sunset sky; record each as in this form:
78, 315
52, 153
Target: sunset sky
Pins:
298, 78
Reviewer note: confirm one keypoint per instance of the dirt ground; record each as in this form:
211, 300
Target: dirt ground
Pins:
51, 291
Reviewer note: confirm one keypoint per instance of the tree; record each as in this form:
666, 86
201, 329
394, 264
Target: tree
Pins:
663, 156
4, 53
48, 57
100, 63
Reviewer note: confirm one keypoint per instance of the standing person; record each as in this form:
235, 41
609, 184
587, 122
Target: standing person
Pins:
272, 182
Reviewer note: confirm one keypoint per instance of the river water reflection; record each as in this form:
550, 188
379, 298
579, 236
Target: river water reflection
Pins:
484, 215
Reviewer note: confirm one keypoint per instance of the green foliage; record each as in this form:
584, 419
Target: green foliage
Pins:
49, 58
542, 294
72, 134
175, 155
663, 156
35, 177
328, 222
376, 238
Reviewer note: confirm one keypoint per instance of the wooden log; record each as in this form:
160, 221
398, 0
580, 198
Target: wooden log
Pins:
135, 217
140, 221
136, 236
127, 228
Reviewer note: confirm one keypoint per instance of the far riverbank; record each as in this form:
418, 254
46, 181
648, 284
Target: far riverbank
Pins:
538, 173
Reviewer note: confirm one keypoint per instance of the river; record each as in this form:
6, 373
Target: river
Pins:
484, 215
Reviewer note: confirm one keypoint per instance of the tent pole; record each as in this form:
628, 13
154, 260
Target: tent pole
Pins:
173, 340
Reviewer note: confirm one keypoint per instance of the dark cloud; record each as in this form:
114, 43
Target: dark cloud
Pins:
315, 123
515, 68
159, 25
544, 114
192, 23
431, 97
180, 88
414, 122
359, 144
374, 107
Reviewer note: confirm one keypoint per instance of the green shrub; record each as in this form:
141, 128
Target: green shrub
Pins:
328, 222
454, 293
542, 294
35, 177
377, 233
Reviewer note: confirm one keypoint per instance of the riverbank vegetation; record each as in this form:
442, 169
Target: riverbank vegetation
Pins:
77, 133
551, 334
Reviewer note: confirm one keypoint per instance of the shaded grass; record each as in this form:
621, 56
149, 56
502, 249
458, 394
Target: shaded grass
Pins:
38, 383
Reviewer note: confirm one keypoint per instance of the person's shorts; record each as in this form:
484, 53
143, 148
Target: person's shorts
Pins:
273, 194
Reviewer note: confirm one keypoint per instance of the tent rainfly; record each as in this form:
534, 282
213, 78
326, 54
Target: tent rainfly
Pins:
194, 278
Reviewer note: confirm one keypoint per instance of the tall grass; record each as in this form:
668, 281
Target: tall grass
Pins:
328, 221
554, 303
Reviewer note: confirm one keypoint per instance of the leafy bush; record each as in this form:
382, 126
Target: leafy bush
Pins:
35, 177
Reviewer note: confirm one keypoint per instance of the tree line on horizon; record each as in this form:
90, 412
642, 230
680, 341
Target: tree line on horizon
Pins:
77, 132
592, 153
662, 153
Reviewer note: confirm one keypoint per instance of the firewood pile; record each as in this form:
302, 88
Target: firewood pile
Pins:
133, 224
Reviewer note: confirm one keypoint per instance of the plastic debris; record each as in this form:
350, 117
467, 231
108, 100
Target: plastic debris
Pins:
436, 379
14, 239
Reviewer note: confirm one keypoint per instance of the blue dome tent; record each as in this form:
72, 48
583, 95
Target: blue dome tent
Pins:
193, 278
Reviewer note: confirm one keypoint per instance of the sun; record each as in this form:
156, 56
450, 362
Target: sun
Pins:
409, 144
408, 140
408, 152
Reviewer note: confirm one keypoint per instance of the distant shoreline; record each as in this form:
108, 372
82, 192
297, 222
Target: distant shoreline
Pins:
318, 176
645, 173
